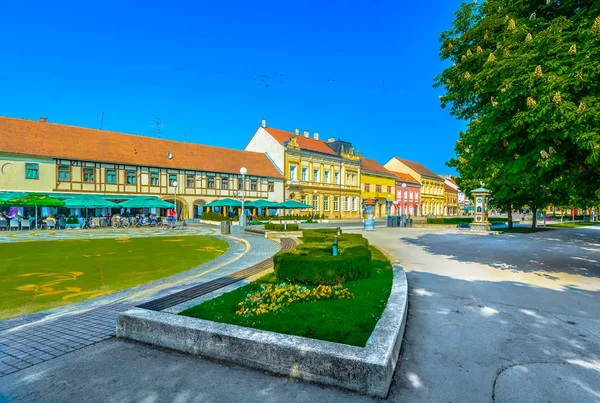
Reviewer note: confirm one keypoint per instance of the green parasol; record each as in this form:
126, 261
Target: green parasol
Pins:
262, 204
89, 201
225, 203
36, 200
145, 202
289, 204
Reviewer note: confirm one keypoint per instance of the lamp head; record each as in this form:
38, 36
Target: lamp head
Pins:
404, 185
243, 170
174, 183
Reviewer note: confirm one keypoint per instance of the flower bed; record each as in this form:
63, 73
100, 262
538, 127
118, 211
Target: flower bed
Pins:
345, 312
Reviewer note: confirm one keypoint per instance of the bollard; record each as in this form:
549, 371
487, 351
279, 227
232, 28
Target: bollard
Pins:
339, 231
335, 246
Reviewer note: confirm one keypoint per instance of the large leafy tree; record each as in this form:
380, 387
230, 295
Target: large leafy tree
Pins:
525, 75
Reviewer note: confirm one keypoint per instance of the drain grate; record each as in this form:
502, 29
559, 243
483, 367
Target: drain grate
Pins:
210, 286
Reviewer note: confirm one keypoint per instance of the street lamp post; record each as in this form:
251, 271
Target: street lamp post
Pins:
242, 218
402, 197
175, 202
315, 198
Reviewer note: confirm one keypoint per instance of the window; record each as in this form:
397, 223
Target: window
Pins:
111, 176
172, 179
64, 173
389, 189
316, 203
32, 171
190, 181
336, 178
240, 184
353, 180
292, 173
303, 199
326, 174
410, 195
325, 203
130, 179
253, 184
271, 186
224, 184
416, 196
304, 174
88, 175
348, 180
405, 194
154, 179
354, 204
211, 183
347, 204
336, 203
367, 187
378, 188
316, 175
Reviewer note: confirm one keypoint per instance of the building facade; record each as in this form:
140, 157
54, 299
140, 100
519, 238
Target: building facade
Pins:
315, 173
59, 160
379, 185
408, 195
451, 206
432, 186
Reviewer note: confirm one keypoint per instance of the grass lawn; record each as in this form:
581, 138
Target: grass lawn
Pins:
35, 276
348, 321
521, 230
574, 225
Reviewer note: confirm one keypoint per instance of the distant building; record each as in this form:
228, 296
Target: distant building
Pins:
408, 195
432, 186
450, 180
324, 174
65, 161
378, 185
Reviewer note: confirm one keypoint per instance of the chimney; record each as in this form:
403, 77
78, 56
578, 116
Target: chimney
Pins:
331, 139
306, 133
43, 119
316, 135
297, 131
264, 123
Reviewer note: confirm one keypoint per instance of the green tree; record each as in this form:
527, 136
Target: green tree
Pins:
525, 75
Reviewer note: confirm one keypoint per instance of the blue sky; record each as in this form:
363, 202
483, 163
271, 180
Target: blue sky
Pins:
360, 70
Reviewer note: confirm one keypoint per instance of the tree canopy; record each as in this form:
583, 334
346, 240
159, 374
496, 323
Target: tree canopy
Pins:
525, 76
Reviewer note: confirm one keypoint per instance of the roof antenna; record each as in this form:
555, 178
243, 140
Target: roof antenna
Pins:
102, 120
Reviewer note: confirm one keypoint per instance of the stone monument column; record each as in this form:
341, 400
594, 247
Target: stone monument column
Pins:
480, 220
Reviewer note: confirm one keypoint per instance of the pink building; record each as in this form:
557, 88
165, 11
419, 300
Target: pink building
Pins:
408, 194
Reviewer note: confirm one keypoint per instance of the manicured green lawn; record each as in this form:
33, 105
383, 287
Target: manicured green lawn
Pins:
39, 275
349, 321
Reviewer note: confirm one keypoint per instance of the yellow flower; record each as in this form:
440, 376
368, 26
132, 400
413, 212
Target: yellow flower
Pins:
573, 49
528, 37
538, 72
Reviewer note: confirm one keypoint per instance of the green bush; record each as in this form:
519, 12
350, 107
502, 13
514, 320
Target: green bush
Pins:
212, 216
316, 266
435, 220
460, 220
281, 227
72, 220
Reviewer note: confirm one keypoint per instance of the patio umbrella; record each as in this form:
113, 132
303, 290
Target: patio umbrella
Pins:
468, 208
36, 200
225, 203
262, 203
89, 201
145, 202
289, 204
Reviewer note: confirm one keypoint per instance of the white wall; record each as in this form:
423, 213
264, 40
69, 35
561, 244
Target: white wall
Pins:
263, 142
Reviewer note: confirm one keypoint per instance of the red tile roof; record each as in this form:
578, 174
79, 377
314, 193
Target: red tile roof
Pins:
28, 137
406, 178
419, 168
449, 188
304, 143
370, 165
451, 181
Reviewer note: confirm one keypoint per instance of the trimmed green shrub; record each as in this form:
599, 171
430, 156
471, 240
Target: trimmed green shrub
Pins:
72, 220
316, 266
461, 220
212, 216
281, 227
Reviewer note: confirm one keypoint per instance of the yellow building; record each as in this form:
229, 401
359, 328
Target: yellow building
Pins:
64, 161
432, 185
379, 184
324, 174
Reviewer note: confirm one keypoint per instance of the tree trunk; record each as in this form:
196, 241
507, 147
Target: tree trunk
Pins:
510, 216
534, 220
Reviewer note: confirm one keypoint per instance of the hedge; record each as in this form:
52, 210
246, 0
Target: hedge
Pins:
281, 227
212, 216
315, 266
461, 220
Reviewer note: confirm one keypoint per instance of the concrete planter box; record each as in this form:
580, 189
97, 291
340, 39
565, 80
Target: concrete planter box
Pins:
367, 370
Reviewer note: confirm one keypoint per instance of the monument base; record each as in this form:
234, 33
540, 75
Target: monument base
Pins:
480, 226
